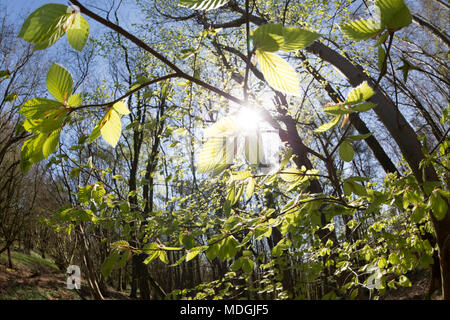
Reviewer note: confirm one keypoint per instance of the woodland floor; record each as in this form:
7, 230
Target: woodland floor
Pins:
35, 278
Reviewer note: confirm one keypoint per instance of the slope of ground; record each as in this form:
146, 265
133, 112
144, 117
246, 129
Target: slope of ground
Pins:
35, 278
417, 291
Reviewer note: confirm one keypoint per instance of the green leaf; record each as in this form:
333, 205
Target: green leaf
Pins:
361, 29
247, 265
236, 265
381, 58
51, 143
59, 82
95, 134
31, 152
438, 205
360, 137
229, 248
124, 257
296, 38
350, 187
241, 175
426, 260
78, 32
121, 108
38, 108
11, 97
163, 257
111, 127
394, 14
203, 4
268, 37
75, 100
194, 252
277, 72
291, 174
109, 263
45, 25
187, 240
152, 257
329, 125
213, 251
4, 74
406, 67
346, 151
250, 189
404, 281
394, 259
363, 107
338, 110
359, 94
382, 263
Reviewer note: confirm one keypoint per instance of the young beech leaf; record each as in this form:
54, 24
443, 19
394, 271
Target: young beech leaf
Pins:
51, 143
59, 82
346, 151
394, 14
78, 32
361, 29
337, 110
359, 94
203, 4
45, 25
363, 107
329, 125
296, 38
121, 108
38, 108
32, 151
438, 205
75, 100
277, 72
111, 128
268, 37
250, 189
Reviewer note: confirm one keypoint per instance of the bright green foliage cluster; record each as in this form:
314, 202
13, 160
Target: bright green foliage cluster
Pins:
270, 38
45, 118
393, 15
50, 22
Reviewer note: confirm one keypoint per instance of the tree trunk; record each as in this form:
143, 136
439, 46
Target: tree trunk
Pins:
10, 264
92, 281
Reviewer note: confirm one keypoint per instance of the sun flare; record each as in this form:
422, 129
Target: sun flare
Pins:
248, 119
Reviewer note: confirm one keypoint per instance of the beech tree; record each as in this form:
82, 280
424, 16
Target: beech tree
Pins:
341, 86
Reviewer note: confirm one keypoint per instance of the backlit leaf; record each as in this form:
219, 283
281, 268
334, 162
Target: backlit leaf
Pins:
59, 82
394, 14
111, 127
277, 72
329, 125
268, 37
45, 25
78, 32
359, 94
361, 29
296, 38
203, 4
346, 151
